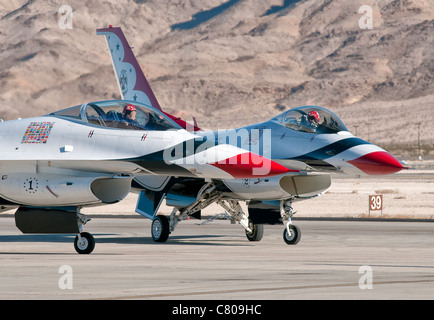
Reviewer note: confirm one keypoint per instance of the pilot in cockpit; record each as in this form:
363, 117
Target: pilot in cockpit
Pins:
129, 115
310, 121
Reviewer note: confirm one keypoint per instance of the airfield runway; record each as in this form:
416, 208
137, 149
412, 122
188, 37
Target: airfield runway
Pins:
333, 260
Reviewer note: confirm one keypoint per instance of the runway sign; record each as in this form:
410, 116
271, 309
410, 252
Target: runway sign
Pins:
376, 203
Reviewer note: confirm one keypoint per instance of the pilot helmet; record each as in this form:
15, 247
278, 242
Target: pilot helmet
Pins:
313, 117
130, 108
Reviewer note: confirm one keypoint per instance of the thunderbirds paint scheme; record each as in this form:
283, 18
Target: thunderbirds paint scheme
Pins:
96, 153
310, 141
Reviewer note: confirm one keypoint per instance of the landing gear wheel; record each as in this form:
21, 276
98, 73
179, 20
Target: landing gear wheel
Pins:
294, 236
160, 229
85, 243
257, 232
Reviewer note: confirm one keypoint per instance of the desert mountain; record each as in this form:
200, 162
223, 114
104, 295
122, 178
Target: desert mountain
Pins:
232, 62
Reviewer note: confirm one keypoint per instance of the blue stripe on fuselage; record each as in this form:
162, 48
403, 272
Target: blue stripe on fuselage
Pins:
331, 149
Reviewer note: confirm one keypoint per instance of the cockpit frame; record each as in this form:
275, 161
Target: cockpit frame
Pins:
301, 119
111, 114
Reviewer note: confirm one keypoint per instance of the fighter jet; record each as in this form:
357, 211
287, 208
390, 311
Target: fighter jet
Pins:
86, 155
54, 165
310, 141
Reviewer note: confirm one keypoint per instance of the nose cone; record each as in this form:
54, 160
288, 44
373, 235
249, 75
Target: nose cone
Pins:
377, 163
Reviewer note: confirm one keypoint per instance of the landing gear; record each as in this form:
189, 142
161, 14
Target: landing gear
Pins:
84, 243
162, 226
253, 222
160, 229
256, 233
292, 233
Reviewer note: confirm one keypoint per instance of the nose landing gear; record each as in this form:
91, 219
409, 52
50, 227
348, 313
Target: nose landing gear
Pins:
84, 242
292, 233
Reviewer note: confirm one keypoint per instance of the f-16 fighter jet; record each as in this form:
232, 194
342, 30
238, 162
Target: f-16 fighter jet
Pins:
96, 153
310, 141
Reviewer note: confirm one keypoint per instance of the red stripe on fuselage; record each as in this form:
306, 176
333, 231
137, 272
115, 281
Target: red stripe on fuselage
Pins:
243, 165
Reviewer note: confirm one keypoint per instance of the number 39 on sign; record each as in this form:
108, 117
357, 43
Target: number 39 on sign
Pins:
376, 203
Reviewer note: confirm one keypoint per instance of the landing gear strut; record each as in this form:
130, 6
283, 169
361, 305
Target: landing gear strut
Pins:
162, 226
254, 232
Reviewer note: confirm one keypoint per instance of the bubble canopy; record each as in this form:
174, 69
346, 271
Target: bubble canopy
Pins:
311, 119
119, 114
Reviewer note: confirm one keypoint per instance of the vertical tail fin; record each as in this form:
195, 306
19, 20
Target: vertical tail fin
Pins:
132, 82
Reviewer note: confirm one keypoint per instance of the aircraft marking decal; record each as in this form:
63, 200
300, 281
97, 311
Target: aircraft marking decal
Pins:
331, 149
37, 132
131, 84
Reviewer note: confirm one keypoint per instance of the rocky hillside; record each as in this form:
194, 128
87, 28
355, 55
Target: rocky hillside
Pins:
232, 62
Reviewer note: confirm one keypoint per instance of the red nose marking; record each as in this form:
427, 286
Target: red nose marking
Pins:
377, 163
242, 165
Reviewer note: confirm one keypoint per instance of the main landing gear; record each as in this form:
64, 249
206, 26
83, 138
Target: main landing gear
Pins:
162, 225
254, 232
160, 229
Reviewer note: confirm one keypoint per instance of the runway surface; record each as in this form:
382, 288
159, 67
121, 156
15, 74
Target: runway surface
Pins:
333, 260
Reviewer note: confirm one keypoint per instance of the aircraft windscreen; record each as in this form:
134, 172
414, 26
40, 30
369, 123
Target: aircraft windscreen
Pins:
119, 114
313, 120
73, 112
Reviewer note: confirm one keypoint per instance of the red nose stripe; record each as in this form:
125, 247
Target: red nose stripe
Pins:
242, 165
377, 163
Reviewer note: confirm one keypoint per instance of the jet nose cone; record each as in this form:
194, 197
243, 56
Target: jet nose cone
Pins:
377, 163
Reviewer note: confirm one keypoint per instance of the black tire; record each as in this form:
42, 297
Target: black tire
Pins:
294, 237
86, 245
257, 232
160, 229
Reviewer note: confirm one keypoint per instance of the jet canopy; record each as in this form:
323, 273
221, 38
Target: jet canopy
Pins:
311, 119
120, 114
